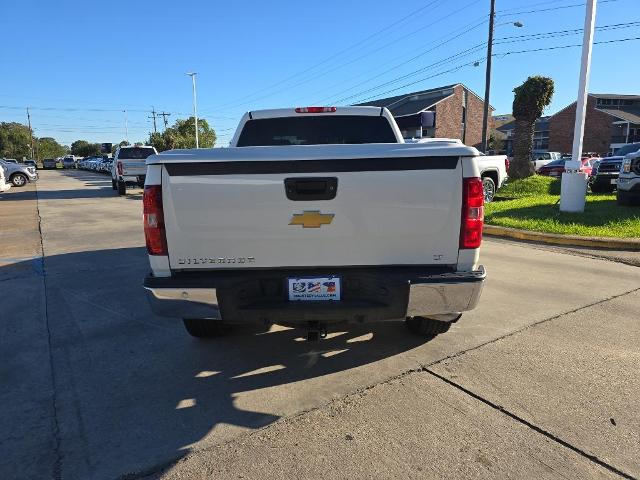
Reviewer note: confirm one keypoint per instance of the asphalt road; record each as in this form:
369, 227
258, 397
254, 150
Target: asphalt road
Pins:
541, 381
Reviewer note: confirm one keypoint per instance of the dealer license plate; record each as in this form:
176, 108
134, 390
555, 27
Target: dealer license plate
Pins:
314, 288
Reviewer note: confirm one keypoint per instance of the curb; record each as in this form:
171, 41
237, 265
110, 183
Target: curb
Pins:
557, 239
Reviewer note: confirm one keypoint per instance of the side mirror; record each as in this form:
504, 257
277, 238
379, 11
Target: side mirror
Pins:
428, 119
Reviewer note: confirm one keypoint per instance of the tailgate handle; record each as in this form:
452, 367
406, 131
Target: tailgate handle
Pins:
311, 188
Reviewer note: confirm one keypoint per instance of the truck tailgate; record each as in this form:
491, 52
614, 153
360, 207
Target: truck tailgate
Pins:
386, 211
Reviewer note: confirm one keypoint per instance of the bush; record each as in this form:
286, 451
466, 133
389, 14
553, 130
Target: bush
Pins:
530, 187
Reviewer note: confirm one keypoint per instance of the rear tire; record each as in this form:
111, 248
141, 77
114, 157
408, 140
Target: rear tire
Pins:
113, 184
427, 327
204, 328
122, 188
489, 189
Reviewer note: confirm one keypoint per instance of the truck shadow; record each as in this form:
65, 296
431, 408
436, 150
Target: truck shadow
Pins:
136, 392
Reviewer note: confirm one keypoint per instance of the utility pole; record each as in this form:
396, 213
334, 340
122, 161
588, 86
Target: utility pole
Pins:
195, 112
30, 131
153, 115
487, 82
573, 188
164, 116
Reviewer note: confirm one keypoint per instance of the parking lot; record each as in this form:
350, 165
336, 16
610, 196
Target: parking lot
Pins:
541, 381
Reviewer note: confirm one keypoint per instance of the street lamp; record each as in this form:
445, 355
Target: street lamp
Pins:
487, 84
195, 112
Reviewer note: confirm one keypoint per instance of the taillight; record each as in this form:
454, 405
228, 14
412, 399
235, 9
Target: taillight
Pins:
507, 163
472, 213
119, 167
154, 231
316, 109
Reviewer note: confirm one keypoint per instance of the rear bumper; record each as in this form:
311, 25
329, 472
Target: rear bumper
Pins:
377, 295
132, 178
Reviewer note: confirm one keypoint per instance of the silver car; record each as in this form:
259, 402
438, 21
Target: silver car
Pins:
18, 174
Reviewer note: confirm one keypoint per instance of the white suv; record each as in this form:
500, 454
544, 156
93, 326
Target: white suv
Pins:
628, 191
129, 167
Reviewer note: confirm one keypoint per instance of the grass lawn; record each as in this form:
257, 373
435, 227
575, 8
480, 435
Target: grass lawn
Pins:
533, 204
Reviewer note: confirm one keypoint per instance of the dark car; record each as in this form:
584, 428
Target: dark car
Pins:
556, 168
606, 178
48, 163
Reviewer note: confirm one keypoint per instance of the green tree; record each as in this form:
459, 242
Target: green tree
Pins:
182, 134
15, 140
48, 147
529, 102
115, 146
82, 148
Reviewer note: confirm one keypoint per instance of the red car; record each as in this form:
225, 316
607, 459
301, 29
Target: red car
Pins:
556, 168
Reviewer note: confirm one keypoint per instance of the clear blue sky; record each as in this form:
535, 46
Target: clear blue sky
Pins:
78, 64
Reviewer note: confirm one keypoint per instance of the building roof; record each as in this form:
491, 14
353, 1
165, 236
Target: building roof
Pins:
415, 102
626, 114
541, 124
613, 96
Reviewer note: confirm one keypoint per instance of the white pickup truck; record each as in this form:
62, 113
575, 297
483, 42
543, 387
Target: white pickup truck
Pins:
129, 167
494, 169
315, 216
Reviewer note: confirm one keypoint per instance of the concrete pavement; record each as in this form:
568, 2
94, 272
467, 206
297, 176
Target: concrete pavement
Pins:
100, 388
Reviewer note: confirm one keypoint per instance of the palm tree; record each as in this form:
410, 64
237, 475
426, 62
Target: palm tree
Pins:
529, 101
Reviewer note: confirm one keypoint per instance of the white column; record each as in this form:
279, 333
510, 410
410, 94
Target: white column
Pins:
574, 182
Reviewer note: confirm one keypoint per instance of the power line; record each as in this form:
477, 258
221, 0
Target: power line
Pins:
408, 61
501, 55
461, 54
331, 57
326, 72
552, 8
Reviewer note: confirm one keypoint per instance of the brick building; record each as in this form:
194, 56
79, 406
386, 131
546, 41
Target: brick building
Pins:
611, 121
458, 113
540, 134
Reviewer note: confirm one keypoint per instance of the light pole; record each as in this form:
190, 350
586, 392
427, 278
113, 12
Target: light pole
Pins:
126, 127
573, 188
487, 82
195, 111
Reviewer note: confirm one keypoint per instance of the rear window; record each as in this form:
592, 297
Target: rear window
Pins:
316, 130
135, 153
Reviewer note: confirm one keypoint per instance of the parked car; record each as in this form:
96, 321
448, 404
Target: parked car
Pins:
129, 167
4, 186
556, 168
49, 163
629, 180
540, 159
605, 181
68, 162
19, 175
31, 163
315, 216
10, 160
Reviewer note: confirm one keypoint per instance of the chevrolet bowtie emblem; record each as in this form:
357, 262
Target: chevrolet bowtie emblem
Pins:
311, 219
